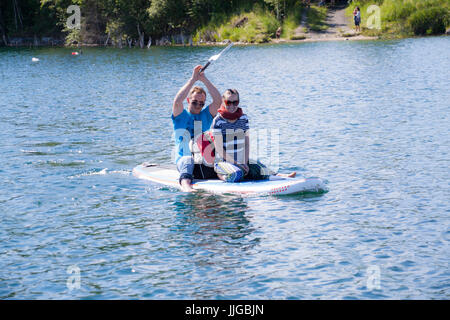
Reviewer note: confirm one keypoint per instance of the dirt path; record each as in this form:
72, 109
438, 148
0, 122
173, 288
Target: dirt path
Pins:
339, 28
337, 23
300, 31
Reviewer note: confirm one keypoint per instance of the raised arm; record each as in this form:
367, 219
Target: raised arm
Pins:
215, 94
177, 107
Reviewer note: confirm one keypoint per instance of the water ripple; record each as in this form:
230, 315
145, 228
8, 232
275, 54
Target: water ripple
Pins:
369, 117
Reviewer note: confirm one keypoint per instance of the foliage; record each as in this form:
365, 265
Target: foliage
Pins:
429, 21
210, 20
255, 26
316, 18
407, 17
292, 21
73, 36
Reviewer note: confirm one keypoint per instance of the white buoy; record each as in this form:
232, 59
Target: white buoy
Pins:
34, 59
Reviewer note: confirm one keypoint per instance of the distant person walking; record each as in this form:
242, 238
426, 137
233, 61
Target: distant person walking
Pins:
278, 33
357, 18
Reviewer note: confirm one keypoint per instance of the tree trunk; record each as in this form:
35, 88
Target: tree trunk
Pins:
3, 28
91, 31
107, 39
3, 35
17, 14
141, 37
278, 10
149, 42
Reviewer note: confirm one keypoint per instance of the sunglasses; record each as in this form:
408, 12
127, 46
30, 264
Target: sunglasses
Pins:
232, 103
197, 103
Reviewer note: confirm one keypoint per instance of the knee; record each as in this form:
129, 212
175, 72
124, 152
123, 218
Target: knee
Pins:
236, 176
186, 160
228, 172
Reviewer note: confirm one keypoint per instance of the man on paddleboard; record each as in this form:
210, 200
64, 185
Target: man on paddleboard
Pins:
184, 122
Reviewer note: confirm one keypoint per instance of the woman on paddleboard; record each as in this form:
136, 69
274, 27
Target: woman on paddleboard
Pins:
230, 129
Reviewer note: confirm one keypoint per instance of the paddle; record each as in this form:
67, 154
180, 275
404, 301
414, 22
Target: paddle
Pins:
215, 57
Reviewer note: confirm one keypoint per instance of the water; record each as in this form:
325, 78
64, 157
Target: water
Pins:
372, 118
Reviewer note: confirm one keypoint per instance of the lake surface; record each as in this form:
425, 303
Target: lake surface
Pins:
371, 118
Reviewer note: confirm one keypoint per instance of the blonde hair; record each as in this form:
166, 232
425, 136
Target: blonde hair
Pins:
230, 92
197, 89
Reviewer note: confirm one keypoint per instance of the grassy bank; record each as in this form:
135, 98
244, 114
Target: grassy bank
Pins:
254, 25
291, 22
404, 18
316, 18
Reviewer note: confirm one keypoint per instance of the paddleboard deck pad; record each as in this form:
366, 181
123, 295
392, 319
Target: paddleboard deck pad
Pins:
169, 176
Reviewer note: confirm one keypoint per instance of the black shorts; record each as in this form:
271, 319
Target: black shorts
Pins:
204, 172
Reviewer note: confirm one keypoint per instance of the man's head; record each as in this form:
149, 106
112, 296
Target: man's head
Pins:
196, 100
230, 99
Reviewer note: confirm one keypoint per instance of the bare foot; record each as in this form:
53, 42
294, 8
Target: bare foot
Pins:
186, 185
221, 177
287, 175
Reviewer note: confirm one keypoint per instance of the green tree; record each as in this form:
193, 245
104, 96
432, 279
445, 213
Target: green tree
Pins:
167, 15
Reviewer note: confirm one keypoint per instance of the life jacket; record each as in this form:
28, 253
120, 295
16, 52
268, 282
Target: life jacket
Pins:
202, 149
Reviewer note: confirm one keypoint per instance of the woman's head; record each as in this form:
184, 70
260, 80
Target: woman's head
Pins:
230, 99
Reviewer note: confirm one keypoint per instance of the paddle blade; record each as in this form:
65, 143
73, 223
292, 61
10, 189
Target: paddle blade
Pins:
214, 57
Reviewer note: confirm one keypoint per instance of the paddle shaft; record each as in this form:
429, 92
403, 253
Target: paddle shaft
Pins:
206, 66
218, 56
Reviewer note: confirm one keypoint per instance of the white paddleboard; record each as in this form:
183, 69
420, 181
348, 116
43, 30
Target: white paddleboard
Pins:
168, 175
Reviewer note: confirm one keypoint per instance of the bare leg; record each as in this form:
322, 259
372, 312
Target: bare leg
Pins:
186, 185
287, 175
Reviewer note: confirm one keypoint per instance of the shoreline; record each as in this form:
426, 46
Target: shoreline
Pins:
327, 39
238, 43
